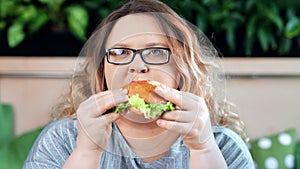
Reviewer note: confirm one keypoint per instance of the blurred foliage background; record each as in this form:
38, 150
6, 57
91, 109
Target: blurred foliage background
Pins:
238, 28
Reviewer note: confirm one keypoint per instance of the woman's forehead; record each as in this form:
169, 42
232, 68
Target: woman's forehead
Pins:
134, 26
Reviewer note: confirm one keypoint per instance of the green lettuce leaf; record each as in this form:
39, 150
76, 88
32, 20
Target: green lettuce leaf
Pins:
149, 110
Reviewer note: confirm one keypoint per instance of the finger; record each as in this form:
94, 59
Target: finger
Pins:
181, 99
169, 94
110, 100
178, 127
198, 102
110, 117
99, 103
179, 116
98, 130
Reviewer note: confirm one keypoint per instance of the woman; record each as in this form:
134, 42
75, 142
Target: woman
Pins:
195, 135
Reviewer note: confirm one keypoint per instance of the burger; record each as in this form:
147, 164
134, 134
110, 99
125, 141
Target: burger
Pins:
144, 101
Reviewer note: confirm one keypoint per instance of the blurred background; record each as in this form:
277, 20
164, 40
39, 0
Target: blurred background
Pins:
238, 28
258, 42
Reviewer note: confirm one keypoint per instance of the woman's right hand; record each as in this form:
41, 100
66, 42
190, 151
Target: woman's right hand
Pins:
94, 127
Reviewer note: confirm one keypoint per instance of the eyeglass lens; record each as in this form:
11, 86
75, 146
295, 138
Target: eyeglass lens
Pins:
150, 55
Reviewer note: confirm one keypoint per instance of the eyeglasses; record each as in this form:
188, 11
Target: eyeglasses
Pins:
152, 56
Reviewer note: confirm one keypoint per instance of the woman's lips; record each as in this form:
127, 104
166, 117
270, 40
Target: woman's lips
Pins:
137, 118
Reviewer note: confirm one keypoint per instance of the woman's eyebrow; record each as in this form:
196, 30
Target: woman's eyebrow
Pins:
153, 44
120, 45
146, 45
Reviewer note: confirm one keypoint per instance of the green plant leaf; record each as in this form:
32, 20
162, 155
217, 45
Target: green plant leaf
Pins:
6, 7
251, 27
2, 25
26, 14
201, 23
292, 28
230, 36
208, 2
272, 41
248, 45
285, 45
46, 1
52, 2
103, 12
276, 19
53, 5
237, 17
263, 38
78, 19
290, 13
15, 35
40, 19
92, 4
217, 16
249, 4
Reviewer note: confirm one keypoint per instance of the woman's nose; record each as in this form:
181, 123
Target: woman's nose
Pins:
138, 65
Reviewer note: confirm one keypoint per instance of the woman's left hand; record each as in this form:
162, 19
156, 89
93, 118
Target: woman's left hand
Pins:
191, 120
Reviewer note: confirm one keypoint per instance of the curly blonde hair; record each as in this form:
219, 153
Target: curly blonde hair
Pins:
195, 58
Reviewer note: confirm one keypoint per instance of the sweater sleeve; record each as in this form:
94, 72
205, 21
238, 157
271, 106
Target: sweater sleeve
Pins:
53, 146
233, 148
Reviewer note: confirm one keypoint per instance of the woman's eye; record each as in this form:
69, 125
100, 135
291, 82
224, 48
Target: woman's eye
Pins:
156, 52
119, 52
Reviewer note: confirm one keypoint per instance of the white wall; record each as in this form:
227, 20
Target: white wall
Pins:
267, 92
33, 86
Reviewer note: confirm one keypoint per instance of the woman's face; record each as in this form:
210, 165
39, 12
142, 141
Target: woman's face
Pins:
138, 31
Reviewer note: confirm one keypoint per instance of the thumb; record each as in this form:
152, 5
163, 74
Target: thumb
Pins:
110, 117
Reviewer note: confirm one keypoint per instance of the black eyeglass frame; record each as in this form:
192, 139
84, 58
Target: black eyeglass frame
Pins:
138, 51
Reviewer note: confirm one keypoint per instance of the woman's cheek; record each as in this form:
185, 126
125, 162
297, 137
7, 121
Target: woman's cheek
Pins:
116, 76
168, 76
